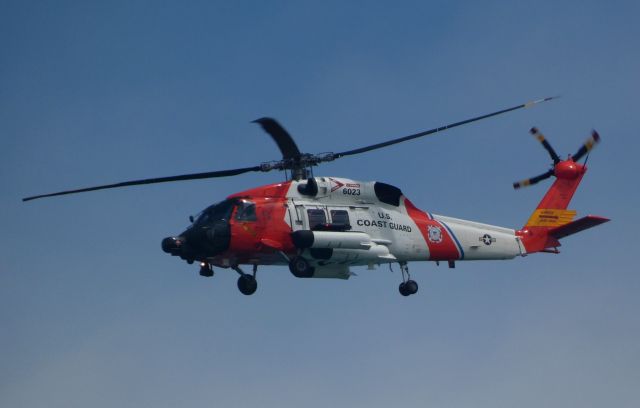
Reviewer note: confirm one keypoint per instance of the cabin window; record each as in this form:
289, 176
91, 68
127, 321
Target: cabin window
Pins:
317, 218
246, 211
340, 218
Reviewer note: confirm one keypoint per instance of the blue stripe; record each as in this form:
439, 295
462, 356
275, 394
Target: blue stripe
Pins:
454, 238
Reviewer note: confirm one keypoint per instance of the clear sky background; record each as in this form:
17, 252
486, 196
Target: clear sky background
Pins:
93, 313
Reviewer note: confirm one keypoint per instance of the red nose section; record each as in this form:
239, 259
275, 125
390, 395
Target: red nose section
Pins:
568, 170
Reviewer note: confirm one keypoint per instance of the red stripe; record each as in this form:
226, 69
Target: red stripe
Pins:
443, 250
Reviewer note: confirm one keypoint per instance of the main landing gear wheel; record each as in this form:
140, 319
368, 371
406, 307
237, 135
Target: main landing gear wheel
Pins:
300, 267
247, 284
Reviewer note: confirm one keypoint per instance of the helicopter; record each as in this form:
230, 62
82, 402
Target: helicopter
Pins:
320, 227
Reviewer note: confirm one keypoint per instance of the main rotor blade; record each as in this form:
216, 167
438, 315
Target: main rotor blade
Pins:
536, 133
282, 138
438, 129
533, 180
193, 176
593, 140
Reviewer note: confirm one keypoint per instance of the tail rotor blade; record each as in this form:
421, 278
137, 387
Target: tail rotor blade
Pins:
533, 180
536, 133
591, 142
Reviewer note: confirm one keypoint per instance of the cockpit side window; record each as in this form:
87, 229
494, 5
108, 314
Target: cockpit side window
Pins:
246, 211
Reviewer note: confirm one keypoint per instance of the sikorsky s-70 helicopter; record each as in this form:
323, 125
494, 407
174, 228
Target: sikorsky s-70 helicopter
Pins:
322, 226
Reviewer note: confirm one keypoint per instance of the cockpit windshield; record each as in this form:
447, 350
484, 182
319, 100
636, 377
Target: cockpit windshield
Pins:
214, 213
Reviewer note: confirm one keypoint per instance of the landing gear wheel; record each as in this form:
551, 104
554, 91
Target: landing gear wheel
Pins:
408, 286
247, 284
411, 287
300, 267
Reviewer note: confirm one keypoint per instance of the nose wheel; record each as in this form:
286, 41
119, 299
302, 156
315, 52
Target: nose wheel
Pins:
408, 286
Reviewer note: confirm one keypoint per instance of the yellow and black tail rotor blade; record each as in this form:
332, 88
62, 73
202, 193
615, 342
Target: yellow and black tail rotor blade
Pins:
591, 142
547, 146
533, 180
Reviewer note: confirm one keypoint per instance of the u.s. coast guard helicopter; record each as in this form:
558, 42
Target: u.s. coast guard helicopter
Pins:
322, 226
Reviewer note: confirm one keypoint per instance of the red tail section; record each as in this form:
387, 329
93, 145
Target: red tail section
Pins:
552, 220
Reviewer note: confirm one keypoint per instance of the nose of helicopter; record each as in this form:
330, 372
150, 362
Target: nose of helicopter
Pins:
171, 244
177, 246
198, 243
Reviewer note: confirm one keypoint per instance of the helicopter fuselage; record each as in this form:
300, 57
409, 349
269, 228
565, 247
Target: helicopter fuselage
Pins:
336, 224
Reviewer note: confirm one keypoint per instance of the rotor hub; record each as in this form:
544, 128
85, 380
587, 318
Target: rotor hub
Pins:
568, 169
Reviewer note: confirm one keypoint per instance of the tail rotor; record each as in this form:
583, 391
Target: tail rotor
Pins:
533, 180
559, 166
589, 144
547, 146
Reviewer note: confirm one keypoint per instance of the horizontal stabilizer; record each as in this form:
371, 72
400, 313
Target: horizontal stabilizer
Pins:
577, 226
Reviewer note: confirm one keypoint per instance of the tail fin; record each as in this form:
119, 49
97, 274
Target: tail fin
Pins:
552, 209
551, 220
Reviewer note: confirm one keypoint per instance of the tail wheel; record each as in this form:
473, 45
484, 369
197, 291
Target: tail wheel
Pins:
411, 287
300, 267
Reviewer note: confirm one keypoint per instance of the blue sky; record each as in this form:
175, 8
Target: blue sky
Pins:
92, 313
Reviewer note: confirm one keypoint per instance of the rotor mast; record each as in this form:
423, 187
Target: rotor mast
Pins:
299, 173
